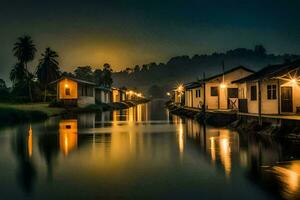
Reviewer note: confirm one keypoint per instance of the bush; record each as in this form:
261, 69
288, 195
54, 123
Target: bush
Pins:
56, 104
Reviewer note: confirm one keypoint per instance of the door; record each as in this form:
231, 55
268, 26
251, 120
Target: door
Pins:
232, 101
286, 99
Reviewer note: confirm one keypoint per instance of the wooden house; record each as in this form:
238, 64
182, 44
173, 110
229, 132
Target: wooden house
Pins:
272, 90
118, 95
103, 94
75, 92
216, 92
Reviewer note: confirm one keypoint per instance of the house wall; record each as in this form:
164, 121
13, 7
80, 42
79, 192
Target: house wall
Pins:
83, 101
221, 101
252, 104
296, 94
191, 100
116, 95
67, 83
102, 96
269, 106
188, 98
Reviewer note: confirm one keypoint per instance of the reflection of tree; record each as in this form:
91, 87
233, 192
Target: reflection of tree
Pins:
49, 149
26, 172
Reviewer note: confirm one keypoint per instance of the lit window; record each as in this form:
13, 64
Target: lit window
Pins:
68, 91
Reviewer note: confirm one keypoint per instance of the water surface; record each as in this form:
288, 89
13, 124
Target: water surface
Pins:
143, 153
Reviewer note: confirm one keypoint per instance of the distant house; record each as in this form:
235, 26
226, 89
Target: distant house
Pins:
72, 91
118, 95
193, 93
272, 90
218, 92
103, 94
178, 95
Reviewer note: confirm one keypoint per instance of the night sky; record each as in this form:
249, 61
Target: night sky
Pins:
124, 33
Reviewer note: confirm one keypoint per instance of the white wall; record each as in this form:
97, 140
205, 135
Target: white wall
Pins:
221, 102
190, 97
84, 101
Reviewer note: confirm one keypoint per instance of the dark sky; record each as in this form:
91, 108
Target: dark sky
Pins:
130, 32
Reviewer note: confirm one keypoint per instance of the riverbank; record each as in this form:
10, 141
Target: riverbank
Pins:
282, 128
11, 114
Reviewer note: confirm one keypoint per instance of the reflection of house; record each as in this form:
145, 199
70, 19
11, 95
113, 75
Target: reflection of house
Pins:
103, 94
68, 131
272, 90
72, 91
219, 91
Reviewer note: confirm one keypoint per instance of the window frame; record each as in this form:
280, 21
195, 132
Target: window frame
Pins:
67, 91
271, 92
214, 91
253, 96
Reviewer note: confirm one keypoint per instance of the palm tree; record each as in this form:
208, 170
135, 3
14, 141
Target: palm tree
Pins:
24, 49
48, 70
18, 73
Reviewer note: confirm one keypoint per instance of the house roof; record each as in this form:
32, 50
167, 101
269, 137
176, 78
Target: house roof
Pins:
103, 88
74, 79
270, 71
192, 85
195, 84
227, 72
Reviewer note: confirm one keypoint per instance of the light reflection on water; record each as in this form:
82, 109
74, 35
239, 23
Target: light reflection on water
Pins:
143, 152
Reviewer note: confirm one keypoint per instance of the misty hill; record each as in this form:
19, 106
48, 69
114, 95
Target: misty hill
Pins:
181, 69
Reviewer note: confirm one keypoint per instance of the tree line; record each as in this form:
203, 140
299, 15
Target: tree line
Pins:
30, 86
180, 69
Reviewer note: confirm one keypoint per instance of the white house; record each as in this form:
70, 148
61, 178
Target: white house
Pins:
272, 90
193, 93
218, 92
103, 94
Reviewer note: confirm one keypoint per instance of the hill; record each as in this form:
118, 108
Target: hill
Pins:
181, 69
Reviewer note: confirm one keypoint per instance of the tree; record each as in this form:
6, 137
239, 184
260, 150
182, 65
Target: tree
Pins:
260, 50
3, 85
128, 70
4, 93
107, 71
98, 76
18, 73
24, 49
137, 68
47, 70
84, 73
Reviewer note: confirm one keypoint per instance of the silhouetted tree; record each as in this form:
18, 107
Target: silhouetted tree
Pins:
137, 68
18, 73
4, 93
98, 76
24, 49
107, 71
260, 50
84, 73
47, 70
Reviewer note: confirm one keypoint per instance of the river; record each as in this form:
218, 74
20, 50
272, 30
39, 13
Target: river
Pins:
143, 153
